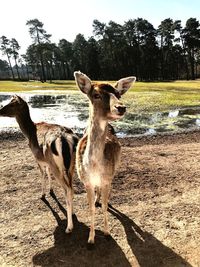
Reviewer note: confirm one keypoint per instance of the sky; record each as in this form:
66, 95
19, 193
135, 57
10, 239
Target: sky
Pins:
67, 18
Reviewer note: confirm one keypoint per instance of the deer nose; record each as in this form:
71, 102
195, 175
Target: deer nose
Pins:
121, 109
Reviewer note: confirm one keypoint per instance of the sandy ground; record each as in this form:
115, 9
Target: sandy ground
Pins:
154, 218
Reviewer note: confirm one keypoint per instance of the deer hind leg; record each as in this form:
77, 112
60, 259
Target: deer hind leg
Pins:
67, 186
91, 201
43, 173
105, 192
49, 180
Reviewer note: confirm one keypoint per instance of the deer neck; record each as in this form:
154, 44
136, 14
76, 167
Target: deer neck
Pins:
97, 131
29, 130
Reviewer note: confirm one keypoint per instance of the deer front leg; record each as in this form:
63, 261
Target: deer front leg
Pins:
105, 192
91, 201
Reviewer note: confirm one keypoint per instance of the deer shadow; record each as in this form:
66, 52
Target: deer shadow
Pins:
70, 250
148, 250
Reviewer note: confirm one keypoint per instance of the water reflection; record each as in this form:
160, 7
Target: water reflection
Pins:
173, 113
71, 110
198, 122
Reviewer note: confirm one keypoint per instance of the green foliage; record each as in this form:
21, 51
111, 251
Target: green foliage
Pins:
170, 52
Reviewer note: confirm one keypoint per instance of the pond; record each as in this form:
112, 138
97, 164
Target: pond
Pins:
71, 110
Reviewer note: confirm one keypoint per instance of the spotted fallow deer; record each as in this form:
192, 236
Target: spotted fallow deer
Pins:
56, 153
98, 151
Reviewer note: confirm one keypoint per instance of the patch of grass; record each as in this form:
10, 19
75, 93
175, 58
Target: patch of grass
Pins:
13, 86
160, 86
161, 96
143, 97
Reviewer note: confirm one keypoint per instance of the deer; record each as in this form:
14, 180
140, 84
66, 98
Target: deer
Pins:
56, 153
98, 151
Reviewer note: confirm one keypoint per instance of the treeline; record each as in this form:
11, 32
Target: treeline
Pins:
170, 52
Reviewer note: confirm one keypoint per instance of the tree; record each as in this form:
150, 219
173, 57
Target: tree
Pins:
65, 55
98, 28
111, 48
142, 53
166, 36
191, 36
33, 60
115, 43
182, 50
15, 47
39, 36
132, 51
50, 60
6, 50
24, 63
4, 69
79, 47
92, 64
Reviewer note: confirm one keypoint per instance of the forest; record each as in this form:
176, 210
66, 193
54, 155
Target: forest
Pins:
170, 52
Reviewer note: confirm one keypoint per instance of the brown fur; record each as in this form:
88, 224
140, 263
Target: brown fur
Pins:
98, 151
41, 136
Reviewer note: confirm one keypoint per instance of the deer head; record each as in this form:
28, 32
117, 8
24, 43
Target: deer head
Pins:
16, 106
105, 98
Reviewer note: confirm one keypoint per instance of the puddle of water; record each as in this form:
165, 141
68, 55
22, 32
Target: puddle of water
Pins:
71, 110
159, 122
64, 109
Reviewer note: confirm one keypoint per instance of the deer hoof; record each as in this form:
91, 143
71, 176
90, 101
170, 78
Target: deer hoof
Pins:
43, 197
69, 230
51, 192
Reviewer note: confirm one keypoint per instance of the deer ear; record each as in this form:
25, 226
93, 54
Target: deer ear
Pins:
84, 83
124, 84
17, 98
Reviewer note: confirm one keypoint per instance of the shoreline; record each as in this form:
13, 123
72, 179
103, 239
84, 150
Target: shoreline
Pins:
181, 137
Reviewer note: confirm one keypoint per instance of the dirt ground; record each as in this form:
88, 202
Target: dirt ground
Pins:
154, 217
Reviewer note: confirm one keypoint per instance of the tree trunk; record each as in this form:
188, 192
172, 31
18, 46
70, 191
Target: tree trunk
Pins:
27, 72
64, 71
17, 69
43, 78
10, 66
192, 67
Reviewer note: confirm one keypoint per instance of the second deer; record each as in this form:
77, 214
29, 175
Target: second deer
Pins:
98, 151
55, 155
